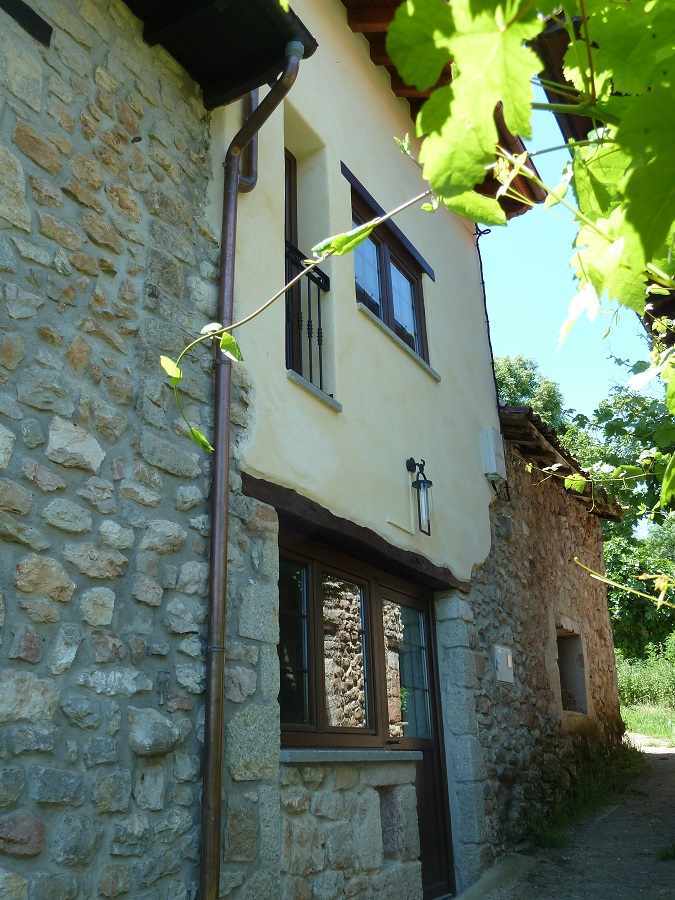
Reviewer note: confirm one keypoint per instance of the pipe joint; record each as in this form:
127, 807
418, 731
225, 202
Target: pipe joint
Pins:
295, 48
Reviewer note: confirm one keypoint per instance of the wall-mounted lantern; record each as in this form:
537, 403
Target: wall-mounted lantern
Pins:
422, 486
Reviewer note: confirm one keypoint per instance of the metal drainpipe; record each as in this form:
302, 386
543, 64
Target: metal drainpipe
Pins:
248, 177
214, 713
479, 233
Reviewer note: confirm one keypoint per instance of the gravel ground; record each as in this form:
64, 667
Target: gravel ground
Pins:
613, 856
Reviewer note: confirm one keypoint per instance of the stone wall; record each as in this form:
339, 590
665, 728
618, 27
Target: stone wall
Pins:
350, 830
510, 747
105, 263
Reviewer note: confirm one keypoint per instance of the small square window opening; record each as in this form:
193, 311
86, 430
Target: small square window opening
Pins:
572, 672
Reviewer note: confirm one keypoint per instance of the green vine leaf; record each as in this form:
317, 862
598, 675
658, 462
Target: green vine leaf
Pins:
668, 484
492, 57
664, 435
200, 438
610, 256
346, 241
477, 207
171, 369
230, 347
576, 483
211, 328
647, 131
668, 376
419, 41
560, 191
461, 142
633, 43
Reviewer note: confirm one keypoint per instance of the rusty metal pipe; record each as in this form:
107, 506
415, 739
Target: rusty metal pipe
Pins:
248, 177
215, 652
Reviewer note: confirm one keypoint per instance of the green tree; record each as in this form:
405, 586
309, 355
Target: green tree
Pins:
636, 622
624, 445
520, 383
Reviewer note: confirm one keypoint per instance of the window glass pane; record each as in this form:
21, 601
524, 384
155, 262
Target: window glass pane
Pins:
344, 653
405, 648
294, 642
404, 302
366, 268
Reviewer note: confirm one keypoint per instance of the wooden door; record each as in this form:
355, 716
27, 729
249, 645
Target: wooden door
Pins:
408, 668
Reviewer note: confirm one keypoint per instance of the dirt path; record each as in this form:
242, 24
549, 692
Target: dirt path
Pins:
613, 856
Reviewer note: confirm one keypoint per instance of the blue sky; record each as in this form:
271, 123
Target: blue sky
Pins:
529, 285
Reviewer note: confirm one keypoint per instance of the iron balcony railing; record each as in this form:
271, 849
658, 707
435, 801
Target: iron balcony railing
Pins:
304, 331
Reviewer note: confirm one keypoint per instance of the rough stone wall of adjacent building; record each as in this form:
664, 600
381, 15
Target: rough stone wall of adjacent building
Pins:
104, 265
509, 755
350, 830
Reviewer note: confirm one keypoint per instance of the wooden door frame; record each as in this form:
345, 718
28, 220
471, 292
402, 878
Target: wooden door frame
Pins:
320, 556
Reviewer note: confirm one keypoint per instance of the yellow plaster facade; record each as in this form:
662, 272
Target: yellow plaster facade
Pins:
353, 461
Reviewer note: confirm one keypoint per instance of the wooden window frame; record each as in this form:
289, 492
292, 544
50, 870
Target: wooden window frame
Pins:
391, 251
377, 586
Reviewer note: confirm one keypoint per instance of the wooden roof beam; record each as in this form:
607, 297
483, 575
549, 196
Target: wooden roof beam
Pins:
371, 20
378, 49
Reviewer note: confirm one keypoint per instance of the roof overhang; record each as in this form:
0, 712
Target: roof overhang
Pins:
551, 46
539, 444
372, 18
229, 47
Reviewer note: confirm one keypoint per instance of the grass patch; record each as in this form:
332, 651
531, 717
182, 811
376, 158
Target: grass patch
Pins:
603, 773
654, 721
649, 681
667, 854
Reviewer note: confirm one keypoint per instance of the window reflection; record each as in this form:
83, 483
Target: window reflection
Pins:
293, 642
367, 269
344, 648
407, 677
404, 303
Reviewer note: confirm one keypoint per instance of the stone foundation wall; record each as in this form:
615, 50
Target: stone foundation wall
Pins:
350, 830
510, 747
105, 263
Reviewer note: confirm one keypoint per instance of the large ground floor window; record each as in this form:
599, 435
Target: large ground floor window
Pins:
354, 654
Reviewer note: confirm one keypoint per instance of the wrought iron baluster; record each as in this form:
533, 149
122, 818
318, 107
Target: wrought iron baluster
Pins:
319, 336
304, 323
310, 326
298, 288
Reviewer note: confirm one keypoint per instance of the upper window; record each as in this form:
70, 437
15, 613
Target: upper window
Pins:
305, 299
389, 281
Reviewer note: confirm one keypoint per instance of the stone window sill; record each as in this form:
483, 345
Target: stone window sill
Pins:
312, 389
314, 756
432, 373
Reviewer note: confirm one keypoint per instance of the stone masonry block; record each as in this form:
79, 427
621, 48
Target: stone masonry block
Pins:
465, 756
252, 748
400, 830
387, 774
453, 633
368, 850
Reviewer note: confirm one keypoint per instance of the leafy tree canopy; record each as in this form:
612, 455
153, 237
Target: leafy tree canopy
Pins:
520, 383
